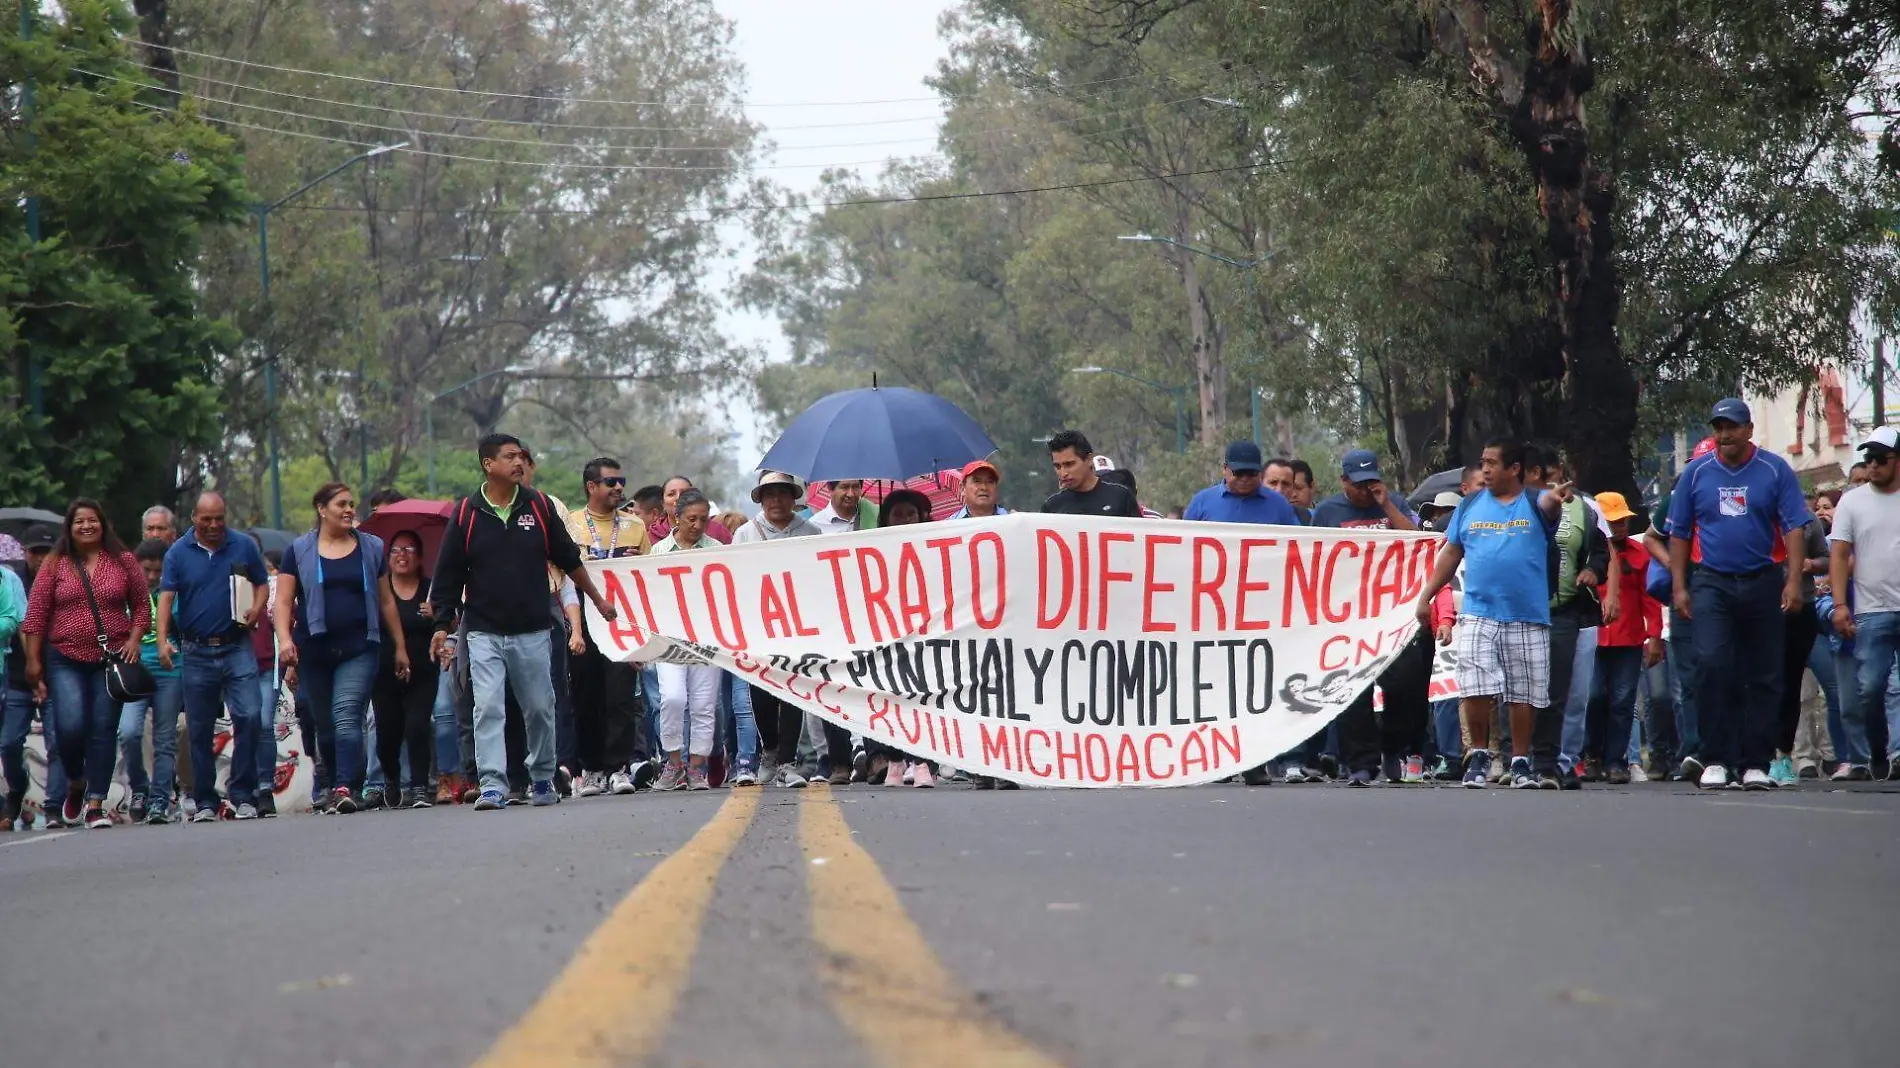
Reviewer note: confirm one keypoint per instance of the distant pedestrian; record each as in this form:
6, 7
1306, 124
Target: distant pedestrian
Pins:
606, 694
689, 693
87, 603
158, 524
16, 708
780, 722
1625, 647
405, 689
1864, 576
498, 545
1738, 513
152, 793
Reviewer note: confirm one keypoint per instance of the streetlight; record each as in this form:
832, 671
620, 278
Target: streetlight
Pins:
262, 211
1179, 393
428, 410
1245, 265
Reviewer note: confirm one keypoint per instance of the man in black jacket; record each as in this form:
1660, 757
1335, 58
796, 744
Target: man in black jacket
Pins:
1581, 564
499, 543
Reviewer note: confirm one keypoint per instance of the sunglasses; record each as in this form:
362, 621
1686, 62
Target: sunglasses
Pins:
620, 481
1879, 457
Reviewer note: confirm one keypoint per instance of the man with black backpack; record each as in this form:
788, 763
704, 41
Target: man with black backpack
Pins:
498, 545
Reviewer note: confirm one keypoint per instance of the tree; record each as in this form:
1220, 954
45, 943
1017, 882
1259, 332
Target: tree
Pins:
102, 312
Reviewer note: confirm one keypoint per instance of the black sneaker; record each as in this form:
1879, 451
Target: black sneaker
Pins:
860, 765
563, 785
341, 802
644, 773
138, 808
373, 798
421, 799
517, 798
1394, 769
1361, 779
1329, 765
1257, 776
1571, 781
266, 803
1005, 784
1893, 771
982, 782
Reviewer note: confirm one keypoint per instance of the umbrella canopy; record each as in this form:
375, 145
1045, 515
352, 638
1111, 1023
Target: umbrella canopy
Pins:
1435, 485
877, 433
941, 488
426, 519
15, 521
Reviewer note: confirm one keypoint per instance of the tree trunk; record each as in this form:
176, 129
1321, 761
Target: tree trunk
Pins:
155, 35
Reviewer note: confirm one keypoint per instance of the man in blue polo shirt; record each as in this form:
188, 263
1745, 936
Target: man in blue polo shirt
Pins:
1239, 497
1738, 513
194, 605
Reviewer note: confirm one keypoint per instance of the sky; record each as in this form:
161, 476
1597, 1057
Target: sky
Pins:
832, 57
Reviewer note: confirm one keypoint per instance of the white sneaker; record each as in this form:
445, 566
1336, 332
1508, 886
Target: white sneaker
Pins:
620, 782
745, 777
1757, 779
593, 784
1637, 774
1714, 777
1294, 774
788, 778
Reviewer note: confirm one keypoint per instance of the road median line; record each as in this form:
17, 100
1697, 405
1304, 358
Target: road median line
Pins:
613, 1002
884, 980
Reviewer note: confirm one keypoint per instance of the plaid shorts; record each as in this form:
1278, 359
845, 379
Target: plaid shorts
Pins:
1505, 660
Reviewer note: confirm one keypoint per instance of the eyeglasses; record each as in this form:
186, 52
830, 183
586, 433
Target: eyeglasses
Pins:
1880, 457
404, 550
620, 481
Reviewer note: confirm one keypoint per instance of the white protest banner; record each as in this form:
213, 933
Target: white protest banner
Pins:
1045, 649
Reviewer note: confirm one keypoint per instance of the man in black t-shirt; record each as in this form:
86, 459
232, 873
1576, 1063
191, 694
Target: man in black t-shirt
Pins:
1083, 492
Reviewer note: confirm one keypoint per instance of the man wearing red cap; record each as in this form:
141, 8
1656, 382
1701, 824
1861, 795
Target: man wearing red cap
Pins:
979, 491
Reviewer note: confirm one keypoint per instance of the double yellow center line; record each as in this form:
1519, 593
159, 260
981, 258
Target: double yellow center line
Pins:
613, 1003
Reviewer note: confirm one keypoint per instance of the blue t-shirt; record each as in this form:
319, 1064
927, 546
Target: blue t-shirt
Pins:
1735, 518
200, 582
1218, 504
1339, 511
1507, 557
345, 607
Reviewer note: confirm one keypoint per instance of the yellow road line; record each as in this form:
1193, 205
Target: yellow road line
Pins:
614, 1001
885, 982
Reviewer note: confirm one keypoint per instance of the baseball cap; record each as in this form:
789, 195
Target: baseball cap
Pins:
1883, 439
1243, 457
974, 466
1448, 499
1614, 506
39, 537
777, 478
1731, 409
1361, 465
1103, 463
1703, 448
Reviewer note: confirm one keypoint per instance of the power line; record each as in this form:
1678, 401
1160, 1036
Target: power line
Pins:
592, 127
818, 205
565, 99
528, 143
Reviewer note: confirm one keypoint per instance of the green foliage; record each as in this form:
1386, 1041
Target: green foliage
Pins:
105, 305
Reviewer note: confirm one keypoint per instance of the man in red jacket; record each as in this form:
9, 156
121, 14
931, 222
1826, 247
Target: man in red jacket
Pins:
1624, 649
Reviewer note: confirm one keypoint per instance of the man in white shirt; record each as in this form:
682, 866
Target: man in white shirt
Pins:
842, 513
1865, 548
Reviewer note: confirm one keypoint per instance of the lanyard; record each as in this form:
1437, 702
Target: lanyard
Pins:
594, 533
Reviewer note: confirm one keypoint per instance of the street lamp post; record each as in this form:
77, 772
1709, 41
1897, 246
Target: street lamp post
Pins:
262, 211
1179, 393
428, 410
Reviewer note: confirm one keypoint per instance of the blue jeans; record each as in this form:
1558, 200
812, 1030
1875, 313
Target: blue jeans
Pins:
16, 720
498, 663
266, 749
448, 733
649, 744
1620, 672
1683, 680
1821, 661
1739, 634
339, 694
163, 707
743, 726
1583, 666
88, 722
1447, 731
217, 677
1876, 642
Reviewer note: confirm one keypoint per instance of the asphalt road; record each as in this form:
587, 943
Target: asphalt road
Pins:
869, 927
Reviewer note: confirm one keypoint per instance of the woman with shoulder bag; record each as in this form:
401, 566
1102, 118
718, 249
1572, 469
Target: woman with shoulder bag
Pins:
88, 607
333, 614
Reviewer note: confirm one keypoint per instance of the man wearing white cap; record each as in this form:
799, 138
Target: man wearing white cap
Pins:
780, 723
1865, 548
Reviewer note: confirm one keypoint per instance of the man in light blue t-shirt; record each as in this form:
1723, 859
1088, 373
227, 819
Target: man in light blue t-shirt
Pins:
1502, 535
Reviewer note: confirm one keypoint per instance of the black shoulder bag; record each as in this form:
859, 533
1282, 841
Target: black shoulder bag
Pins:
126, 680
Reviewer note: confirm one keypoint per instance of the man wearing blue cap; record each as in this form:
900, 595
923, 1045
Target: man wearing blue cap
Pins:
1738, 513
1239, 497
1364, 503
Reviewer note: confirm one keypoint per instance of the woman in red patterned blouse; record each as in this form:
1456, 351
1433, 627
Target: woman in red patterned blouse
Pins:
63, 650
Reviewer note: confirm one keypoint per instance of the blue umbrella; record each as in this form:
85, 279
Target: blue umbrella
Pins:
877, 433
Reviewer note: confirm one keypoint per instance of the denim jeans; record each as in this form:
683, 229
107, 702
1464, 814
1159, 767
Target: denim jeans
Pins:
1683, 680
266, 748
1659, 712
16, 721
372, 760
163, 707
339, 696
215, 678
1739, 635
1447, 731
88, 722
649, 743
1824, 662
1620, 670
498, 663
1876, 642
1583, 667
744, 737
448, 733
